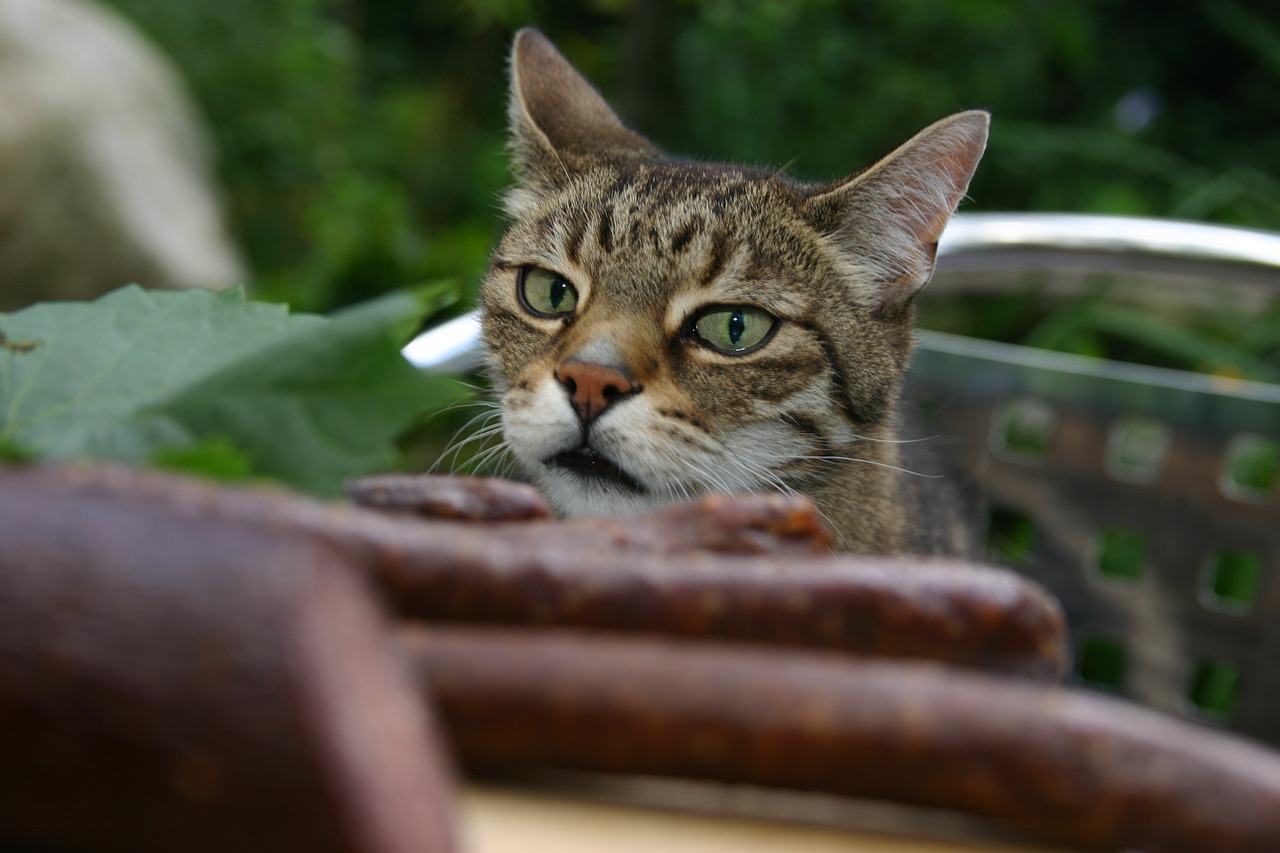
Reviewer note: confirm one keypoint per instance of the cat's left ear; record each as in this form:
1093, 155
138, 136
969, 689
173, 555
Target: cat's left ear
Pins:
559, 123
888, 218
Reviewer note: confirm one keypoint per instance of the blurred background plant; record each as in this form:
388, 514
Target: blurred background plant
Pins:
361, 141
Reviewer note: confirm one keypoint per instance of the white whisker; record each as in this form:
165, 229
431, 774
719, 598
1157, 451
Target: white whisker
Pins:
919, 440
477, 431
873, 462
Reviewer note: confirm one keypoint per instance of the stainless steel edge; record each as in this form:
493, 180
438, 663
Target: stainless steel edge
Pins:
451, 347
1171, 238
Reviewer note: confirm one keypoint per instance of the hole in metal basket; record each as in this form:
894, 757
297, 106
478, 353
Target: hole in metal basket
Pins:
1251, 469
1023, 429
1120, 554
1010, 537
1213, 688
1137, 449
1232, 579
1102, 663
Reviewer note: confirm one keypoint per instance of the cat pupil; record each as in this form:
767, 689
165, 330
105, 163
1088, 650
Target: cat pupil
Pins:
558, 288
737, 325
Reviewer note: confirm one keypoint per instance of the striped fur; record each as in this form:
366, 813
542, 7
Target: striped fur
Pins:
648, 241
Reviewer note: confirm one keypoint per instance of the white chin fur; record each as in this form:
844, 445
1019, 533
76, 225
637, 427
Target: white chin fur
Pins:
572, 495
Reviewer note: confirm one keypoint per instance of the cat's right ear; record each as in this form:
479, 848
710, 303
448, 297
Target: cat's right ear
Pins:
888, 218
559, 123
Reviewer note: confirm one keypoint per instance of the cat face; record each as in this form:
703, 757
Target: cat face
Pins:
659, 336
659, 329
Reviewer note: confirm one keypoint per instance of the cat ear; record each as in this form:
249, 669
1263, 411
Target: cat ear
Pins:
559, 122
888, 218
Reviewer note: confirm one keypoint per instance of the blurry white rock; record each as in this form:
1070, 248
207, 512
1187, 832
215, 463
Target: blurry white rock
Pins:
105, 174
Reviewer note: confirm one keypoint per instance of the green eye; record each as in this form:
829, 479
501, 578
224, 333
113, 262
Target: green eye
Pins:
546, 294
733, 329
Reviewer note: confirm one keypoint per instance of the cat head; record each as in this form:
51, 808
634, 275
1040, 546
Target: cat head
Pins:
659, 328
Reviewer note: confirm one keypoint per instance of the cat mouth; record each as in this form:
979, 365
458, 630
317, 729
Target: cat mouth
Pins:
595, 466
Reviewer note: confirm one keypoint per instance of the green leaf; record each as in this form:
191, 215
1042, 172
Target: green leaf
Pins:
138, 376
217, 458
11, 451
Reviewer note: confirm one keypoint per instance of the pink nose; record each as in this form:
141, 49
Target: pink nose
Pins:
592, 388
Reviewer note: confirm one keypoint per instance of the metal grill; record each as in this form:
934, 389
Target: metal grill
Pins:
1147, 500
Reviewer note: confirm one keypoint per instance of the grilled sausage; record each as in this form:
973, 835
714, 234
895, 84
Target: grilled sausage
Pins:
1062, 763
747, 569
171, 682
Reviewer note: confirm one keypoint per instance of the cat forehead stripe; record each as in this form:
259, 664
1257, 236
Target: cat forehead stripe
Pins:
604, 229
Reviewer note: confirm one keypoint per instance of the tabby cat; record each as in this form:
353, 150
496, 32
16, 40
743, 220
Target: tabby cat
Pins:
658, 329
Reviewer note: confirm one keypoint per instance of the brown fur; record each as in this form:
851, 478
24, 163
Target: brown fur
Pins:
648, 242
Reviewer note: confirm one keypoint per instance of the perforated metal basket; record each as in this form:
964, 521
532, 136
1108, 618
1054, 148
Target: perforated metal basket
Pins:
1146, 499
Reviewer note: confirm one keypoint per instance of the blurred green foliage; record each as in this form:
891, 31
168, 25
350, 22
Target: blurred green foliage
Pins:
216, 385
1102, 322
361, 141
